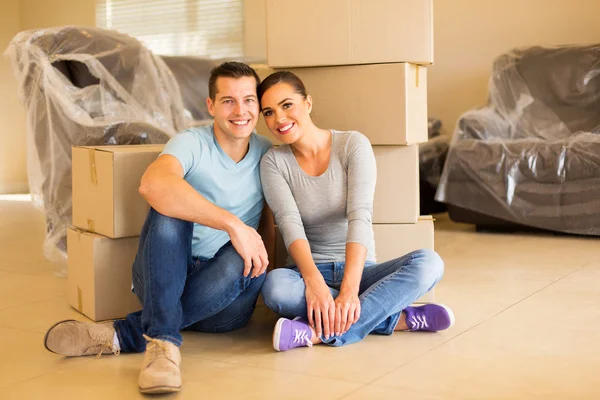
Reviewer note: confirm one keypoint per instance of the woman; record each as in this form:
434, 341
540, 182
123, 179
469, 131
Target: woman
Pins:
320, 185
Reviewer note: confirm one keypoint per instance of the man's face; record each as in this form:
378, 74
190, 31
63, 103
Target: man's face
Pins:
235, 107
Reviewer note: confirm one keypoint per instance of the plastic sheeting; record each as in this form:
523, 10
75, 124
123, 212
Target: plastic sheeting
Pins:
192, 75
532, 155
86, 86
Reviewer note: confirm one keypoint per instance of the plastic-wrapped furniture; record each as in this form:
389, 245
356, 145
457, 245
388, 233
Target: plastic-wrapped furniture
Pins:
86, 86
432, 155
192, 74
531, 156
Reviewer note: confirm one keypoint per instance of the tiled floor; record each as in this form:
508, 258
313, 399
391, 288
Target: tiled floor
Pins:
528, 327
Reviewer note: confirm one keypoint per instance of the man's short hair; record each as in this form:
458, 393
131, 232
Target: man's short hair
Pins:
230, 69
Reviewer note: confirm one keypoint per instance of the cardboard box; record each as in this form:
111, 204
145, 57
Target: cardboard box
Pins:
99, 275
385, 102
395, 240
397, 189
105, 188
348, 32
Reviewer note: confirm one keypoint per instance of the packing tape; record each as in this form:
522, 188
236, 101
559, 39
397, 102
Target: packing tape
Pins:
93, 176
417, 78
79, 300
91, 225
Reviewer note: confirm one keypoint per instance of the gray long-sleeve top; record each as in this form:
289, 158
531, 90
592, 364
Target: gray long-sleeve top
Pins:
329, 210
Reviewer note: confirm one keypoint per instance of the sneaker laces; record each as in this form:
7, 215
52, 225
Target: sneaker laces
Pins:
419, 322
301, 337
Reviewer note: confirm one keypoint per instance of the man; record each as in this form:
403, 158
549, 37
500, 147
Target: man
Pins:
200, 263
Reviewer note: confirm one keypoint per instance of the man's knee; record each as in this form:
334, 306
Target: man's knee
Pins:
169, 230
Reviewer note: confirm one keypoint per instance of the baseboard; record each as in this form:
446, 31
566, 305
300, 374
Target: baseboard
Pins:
14, 188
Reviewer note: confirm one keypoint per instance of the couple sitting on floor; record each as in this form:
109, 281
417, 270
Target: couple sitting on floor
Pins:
201, 262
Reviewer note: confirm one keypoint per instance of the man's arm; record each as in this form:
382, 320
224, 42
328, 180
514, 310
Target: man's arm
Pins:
164, 188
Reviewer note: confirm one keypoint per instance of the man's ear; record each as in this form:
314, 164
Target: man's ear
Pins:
211, 106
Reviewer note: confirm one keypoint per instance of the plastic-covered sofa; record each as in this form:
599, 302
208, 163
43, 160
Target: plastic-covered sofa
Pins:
531, 156
91, 86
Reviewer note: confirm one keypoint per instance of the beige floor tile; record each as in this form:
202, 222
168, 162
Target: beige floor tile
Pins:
41, 315
253, 346
20, 289
526, 308
372, 392
24, 357
544, 347
22, 233
116, 378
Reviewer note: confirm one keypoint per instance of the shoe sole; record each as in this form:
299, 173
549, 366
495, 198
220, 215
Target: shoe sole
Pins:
277, 333
450, 314
48, 332
160, 389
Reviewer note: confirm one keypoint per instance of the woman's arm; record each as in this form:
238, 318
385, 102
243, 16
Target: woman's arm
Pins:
279, 196
362, 176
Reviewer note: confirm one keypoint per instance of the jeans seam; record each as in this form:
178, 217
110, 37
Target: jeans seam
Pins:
212, 313
149, 280
384, 279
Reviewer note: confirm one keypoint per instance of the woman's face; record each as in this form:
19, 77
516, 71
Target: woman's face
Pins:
286, 112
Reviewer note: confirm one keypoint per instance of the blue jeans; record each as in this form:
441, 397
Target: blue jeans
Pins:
385, 290
180, 292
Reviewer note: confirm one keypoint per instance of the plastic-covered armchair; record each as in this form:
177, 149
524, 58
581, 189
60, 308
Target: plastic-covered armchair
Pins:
86, 86
531, 157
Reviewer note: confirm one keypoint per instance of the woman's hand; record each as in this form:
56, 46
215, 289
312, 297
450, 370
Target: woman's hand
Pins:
347, 311
319, 302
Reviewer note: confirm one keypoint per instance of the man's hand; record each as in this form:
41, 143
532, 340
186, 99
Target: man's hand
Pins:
347, 311
249, 245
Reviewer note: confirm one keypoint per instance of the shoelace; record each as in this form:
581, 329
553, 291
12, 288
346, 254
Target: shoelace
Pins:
300, 336
152, 343
106, 344
419, 322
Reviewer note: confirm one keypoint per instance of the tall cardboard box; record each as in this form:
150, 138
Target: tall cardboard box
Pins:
397, 189
385, 102
99, 275
105, 188
347, 32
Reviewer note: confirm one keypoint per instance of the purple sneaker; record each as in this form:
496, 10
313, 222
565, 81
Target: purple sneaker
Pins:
429, 318
289, 334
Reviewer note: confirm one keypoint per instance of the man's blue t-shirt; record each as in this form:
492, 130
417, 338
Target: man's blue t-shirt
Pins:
232, 186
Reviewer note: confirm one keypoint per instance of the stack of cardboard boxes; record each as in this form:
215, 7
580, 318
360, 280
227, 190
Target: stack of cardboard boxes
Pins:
108, 215
364, 64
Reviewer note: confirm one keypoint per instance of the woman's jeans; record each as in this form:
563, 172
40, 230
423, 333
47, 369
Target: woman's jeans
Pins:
180, 292
385, 290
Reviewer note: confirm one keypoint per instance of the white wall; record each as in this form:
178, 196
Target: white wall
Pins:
469, 34
16, 16
13, 176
